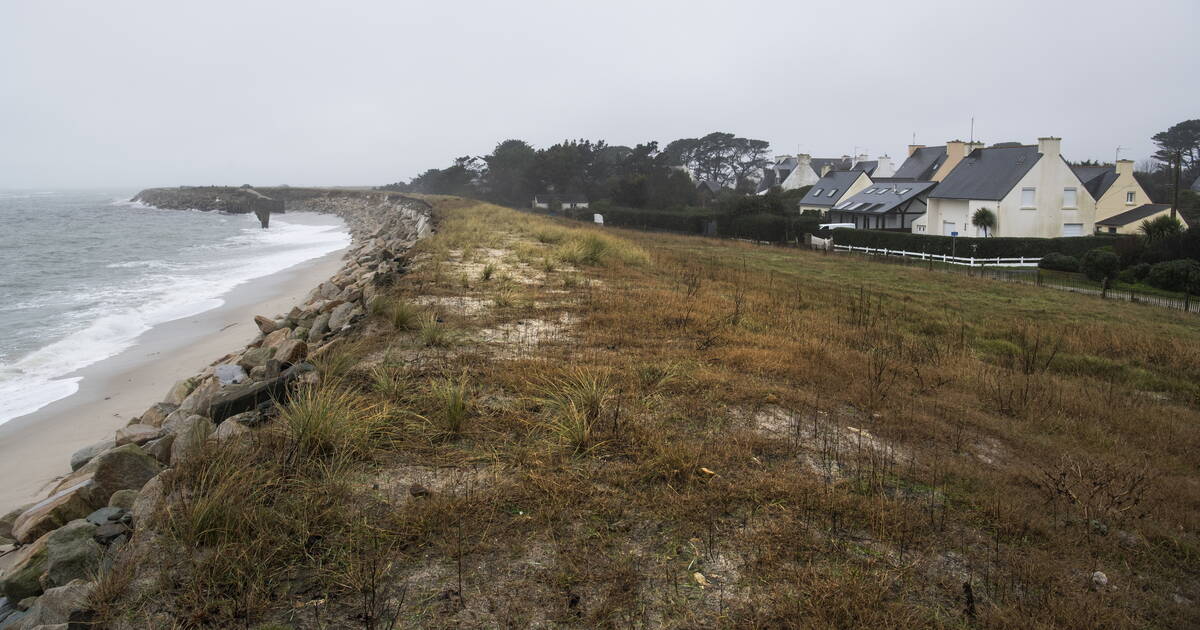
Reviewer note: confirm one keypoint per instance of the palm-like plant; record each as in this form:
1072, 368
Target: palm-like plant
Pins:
1160, 227
984, 218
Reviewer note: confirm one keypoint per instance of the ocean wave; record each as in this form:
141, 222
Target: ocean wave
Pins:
119, 313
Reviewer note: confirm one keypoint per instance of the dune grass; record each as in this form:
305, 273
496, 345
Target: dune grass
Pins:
726, 435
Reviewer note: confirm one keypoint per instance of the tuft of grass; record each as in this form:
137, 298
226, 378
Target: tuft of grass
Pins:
321, 423
592, 248
390, 381
335, 361
434, 333
404, 315
576, 401
450, 403
489, 270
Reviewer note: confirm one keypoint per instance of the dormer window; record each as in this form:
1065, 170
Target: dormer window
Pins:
905, 191
832, 192
817, 192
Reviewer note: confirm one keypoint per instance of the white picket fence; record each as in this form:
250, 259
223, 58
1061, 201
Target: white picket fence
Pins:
953, 260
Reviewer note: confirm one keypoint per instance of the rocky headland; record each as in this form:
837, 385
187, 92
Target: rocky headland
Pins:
52, 551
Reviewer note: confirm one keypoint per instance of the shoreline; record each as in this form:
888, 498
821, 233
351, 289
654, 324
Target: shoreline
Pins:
35, 447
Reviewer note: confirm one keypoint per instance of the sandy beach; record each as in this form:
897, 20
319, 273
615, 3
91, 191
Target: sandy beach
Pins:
35, 449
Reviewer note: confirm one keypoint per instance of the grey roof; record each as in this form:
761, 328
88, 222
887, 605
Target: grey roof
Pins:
922, 164
866, 166
988, 174
837, 181
1096, 179
835, 164
767, 182
883, 196
710, 185
1137, 214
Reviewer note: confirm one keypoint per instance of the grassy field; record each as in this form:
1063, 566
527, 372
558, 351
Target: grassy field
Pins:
551, 425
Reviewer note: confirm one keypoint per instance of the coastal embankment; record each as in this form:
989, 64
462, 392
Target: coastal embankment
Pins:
51, 548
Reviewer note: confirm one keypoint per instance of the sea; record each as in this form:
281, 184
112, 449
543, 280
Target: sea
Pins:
84, 273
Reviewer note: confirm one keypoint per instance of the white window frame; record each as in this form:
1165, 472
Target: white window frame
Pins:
1130, 198
1074, 198
1064, 229
1032, 205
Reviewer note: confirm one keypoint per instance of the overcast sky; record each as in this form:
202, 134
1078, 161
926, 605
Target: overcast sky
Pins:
135, 94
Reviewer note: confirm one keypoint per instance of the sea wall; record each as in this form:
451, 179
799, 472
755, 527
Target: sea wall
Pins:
56, 546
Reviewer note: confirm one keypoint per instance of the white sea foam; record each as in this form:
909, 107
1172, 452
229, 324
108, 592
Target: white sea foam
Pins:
166, 292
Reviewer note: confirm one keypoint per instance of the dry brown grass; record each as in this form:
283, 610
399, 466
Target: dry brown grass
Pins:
735, 436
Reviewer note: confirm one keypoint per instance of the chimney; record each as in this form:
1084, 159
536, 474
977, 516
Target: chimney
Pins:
1124, 167
885, 167
912, 148
956, 150
803, 160
1050, 146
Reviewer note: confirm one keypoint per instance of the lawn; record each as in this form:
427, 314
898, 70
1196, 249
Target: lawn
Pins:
549, 424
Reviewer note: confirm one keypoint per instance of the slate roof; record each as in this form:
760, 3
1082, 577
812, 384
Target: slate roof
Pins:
1096, 179
922, 164
988, 174
866, 166
710, 185
837, 181
883, 196
836, 164
1137, 214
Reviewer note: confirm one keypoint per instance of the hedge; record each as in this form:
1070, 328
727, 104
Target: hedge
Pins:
993, 247
690, 220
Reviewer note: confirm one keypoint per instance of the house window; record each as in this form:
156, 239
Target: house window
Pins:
1112, 230
1130, 198
1069, 198
1072, 229
1028, 197
905, 191
832, 192
816, 193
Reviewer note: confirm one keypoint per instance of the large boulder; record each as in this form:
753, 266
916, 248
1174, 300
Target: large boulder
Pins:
137, 434
329, 290
24, 576
291, 351
71, 553
7, 520
179, 391
341, 316
265, 324
191, 435
320, 327
274, 339
157, 414
63, 506
88, 453
160, 449
147, 502
123, 468
255, 357
60, 605
123, 498
198, 400
230, 374
237, 399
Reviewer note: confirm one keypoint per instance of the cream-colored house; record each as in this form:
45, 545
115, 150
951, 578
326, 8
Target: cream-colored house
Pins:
1114, 188
1130, 221
1031, 190
832, 189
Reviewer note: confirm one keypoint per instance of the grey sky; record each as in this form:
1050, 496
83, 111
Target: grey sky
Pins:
162, 93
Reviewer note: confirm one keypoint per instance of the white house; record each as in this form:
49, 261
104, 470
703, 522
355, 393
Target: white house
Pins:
550, 201
792, 172
832, 189
1032, 191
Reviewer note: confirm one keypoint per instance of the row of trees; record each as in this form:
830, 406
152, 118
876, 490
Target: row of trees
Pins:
643, 176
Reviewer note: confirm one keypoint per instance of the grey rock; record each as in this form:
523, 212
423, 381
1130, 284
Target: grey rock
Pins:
229, 430
157, 414
137, 434
58, 605
110, 532
105, 515
197, 401
248, 418
160, 449
24, 575
148, 501
191, 436
300, 332
340, 316
290, 352
71, 553
255, 357
329, 290
230, 374
88, 453
258, 372
123, 468
6, 521
123, 499
320, 327
179, 391
265, 325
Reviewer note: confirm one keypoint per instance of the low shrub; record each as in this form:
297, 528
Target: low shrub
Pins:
1134, 274
1059, 262
1175, 275
1100, 264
